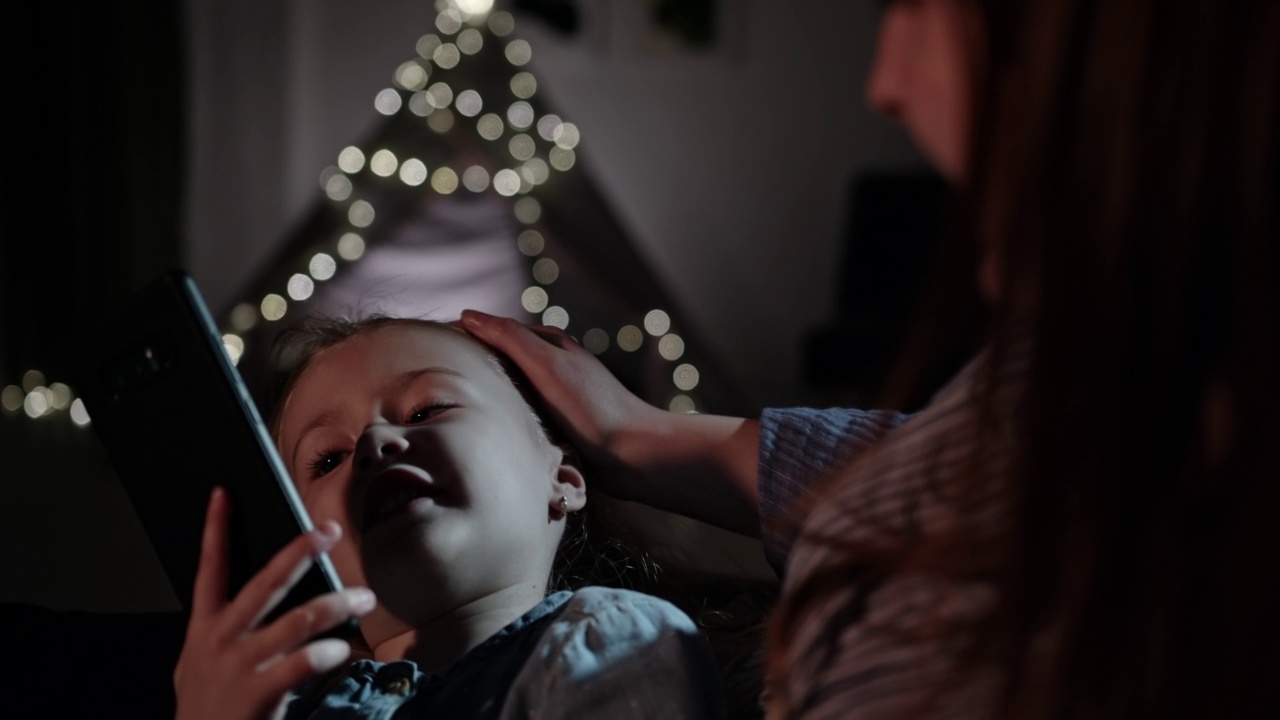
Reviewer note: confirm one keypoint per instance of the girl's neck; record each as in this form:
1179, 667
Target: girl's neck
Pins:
435, 643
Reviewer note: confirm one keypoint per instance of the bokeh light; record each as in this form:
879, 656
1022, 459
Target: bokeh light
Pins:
351, 160
413, 172
300, 286
534, 299
596, 341
518, 52
475, 179
360, 214
506, 182
546, 271
528, 210
520, 115
630, 338
524, 85
274, 307
383, 163
388, 101
530, 242
444, 181
657, 322
350, 246
489, 126
322, 266
685, 377
469, 103
671, 347
521, 146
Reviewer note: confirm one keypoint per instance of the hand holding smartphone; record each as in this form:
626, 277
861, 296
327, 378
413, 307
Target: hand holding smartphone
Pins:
177, 420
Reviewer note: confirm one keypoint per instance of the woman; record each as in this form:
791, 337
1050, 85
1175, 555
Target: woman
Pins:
1078, 525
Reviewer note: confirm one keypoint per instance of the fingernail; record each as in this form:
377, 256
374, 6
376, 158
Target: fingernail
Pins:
470, 318
327, 654
362, 600
330, 530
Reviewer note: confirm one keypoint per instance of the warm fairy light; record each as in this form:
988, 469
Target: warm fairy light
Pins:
469, 103
300, 287
420, 104
567, 136
657, 322
506, 182
561, 158
681, 404
521, 146
524, 85
685, 377
449, 21
360, 214
243, 317
501, 23
31, 380
475, 179
11, 398
518, 52
556, 316
388, 101
630, 338
338, 187
530, 242
489, 126
440, 95
427, 44
36, 404
441, 120
79, 415
534, 299
475, 7
520, 115
413, 172
447, 56
535, 171
274, 307
444, 181
411, 75
60, 396
470, 41
350, 247
547, 125
383, 163
671, 347
546, 271
234, 346
596, 341
322, 266
351, 160
528, 210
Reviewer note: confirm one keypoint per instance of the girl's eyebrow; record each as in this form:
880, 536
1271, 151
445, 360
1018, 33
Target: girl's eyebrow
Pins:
400, 384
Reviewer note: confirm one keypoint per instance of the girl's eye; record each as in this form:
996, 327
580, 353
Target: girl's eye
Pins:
326, 462
426, 412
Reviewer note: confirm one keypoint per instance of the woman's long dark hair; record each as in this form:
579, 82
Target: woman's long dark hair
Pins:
1126, 181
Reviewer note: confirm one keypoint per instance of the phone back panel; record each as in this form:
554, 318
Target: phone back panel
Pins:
176, 419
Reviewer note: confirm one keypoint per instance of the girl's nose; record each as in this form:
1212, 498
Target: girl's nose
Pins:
377, 442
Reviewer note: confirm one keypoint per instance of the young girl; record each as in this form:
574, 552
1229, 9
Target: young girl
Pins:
433, 483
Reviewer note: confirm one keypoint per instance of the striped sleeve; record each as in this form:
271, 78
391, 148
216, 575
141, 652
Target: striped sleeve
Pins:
798, 447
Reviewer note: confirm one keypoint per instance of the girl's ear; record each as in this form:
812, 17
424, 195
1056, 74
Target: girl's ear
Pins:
569, 482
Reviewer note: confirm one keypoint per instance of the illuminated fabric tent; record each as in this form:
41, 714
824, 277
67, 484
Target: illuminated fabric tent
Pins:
470, 195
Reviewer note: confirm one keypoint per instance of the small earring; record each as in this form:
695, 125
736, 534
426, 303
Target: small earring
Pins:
564, 506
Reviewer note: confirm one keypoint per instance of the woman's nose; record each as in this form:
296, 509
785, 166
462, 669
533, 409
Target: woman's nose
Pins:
378, 442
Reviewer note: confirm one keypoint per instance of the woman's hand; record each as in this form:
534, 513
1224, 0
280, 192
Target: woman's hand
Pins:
230, 666
702, 466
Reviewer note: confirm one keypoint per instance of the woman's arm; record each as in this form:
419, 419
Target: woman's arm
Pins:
700, 466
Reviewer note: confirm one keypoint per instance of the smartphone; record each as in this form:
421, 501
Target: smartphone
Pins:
176, 419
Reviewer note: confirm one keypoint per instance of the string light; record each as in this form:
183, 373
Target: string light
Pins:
463, 19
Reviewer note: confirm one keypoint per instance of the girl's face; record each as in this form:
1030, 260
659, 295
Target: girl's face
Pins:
415, 441
921, 76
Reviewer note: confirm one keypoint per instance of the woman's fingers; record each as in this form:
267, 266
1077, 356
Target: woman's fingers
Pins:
210, 591
266, 589
305, 622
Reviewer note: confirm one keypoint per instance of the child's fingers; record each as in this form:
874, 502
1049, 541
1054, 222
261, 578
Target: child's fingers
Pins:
304, 623
266, 589
210, 591
298, 666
